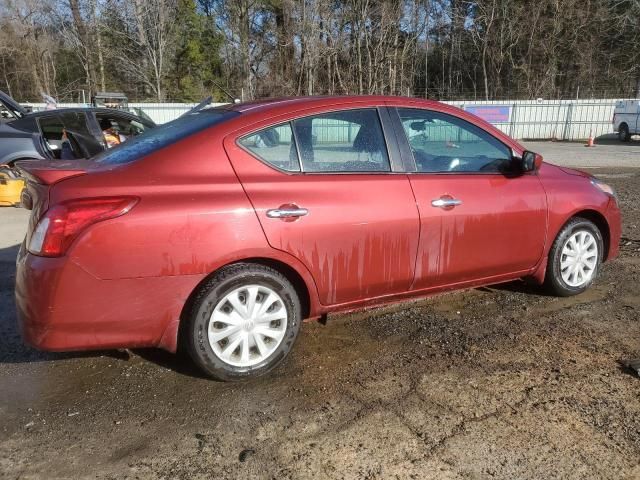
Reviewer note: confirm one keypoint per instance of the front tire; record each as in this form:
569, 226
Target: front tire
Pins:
623, 133
244, 321
575, 258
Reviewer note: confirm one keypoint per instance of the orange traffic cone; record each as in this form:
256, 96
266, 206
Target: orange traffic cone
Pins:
590, 142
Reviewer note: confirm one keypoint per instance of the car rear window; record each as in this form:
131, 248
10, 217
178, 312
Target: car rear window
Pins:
162, 136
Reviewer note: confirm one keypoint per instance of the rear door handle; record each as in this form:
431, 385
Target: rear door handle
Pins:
287, 212
446, 202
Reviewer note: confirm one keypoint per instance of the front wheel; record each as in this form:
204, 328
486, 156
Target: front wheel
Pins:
575, 258
244, 322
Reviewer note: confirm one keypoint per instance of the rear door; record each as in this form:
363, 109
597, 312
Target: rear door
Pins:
479, 219
325, 190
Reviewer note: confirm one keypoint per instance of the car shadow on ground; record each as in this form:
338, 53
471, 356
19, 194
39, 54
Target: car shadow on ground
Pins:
177, 362
518, 286
612, 139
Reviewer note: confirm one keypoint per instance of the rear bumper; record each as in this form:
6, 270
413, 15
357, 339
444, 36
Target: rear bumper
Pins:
61, 307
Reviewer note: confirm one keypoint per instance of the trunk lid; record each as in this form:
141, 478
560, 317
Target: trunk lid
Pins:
47, 172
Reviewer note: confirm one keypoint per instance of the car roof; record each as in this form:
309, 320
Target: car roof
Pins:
302, 102
267, 109
41, 113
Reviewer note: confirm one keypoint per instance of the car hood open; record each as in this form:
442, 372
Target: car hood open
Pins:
11, 105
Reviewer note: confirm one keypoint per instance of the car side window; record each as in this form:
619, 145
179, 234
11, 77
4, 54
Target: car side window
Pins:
344, 141
443, 143
52, 130
117, 129
274, 146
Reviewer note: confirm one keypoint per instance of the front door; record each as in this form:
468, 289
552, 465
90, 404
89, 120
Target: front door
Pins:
324, 191
479, 219
78, 132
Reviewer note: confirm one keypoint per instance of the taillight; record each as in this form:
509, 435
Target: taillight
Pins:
62, 223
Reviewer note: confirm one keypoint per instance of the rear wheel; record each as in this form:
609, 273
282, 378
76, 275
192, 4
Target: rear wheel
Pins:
575, 258
623, 132
244, 322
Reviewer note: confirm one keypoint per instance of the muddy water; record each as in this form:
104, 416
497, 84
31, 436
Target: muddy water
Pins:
498, 382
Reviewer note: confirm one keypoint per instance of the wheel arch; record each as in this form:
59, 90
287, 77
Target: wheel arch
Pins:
303, 289
599, 221
594, 216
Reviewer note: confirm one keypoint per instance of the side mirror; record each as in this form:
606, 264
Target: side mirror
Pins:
530, 161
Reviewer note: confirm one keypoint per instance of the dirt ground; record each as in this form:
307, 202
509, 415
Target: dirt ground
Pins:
500, 382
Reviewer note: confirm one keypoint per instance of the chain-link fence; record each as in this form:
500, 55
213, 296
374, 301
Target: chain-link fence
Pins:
547, 119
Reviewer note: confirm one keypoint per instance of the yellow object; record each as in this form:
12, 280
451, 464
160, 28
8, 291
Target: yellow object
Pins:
10, 190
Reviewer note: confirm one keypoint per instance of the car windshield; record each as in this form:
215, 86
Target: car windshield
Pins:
162, 136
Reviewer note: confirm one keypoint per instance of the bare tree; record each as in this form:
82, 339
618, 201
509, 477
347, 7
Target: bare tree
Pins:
147, 41
443, 48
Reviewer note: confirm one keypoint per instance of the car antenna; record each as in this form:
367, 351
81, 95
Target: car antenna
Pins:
208, 101
223, 90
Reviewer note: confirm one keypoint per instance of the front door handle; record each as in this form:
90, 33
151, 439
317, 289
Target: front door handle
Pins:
445, 202
287, 212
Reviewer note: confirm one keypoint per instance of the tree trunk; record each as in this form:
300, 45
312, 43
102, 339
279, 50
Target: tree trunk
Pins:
98, 42
245, 60
84, 38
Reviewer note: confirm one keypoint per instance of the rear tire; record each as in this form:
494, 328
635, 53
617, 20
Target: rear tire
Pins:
244, 321
623, 133
575, 258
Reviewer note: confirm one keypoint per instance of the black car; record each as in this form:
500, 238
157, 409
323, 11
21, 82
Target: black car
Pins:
62, 133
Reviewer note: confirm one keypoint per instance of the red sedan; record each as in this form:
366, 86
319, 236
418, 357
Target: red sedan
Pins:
223, 230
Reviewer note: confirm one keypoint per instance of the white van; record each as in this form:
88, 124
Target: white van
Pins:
626, 119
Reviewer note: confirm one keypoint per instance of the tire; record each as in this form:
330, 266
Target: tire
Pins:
223, 315
623, 133
563, 277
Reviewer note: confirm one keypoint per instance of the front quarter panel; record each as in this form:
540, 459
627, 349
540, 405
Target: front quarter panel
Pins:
569, 195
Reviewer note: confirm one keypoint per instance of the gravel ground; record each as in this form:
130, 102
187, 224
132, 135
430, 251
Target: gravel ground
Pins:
501, 382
